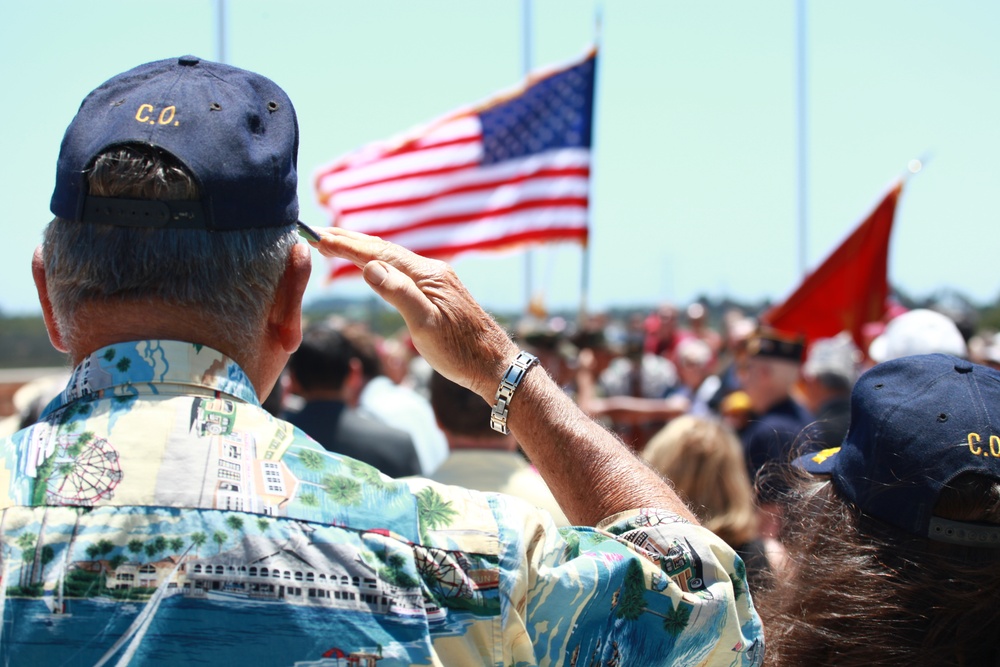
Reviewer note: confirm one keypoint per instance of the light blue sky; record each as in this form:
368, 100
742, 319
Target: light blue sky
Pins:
694, 185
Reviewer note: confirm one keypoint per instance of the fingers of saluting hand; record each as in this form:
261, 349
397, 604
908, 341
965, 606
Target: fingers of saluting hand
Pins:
418, 287
360, 248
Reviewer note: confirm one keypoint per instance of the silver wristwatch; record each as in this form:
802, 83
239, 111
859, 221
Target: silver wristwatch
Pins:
511, 379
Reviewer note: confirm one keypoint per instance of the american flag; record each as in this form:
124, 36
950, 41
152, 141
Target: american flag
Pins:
512, 171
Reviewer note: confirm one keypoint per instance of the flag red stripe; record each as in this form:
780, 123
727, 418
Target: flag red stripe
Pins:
563, 202
497, 244
583, 172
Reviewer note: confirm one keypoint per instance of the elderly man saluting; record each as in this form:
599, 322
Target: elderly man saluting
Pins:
157, 515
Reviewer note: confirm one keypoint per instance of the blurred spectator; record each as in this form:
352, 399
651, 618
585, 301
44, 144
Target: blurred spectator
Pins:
30, 400
325, 372
638, 373
633, 387
767, 374
893, 539
991, 352
704, 461
547, 340
402, 363
395, 355
396, 405
919, 331
738, 330
481, 458
662, 331
597, 343
827, 378
697, 317
694, 367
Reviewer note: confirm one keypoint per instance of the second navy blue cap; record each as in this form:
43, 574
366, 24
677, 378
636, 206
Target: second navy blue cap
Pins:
234, 130
917, 423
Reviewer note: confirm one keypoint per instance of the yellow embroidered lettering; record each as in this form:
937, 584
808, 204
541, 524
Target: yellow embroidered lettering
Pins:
995, 445
142, 113
975, 450
167, 115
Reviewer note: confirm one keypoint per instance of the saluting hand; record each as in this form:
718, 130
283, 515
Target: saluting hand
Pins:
448, 327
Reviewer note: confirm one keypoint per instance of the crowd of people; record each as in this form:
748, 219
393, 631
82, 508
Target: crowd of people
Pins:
744, 423
222, 481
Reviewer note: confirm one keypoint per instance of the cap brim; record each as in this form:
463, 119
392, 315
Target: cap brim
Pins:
307, 232
818, 463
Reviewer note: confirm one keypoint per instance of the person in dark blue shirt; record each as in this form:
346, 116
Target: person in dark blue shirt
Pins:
768, 372
323, 371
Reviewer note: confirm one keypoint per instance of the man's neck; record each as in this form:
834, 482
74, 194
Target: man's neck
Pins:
100, 325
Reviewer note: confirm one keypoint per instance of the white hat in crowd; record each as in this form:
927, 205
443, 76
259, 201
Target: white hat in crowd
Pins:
919, 331
833, 356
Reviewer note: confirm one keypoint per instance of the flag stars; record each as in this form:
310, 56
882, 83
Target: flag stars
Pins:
554, 113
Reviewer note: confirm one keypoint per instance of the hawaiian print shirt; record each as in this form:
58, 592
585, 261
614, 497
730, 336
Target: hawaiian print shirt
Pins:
156, 515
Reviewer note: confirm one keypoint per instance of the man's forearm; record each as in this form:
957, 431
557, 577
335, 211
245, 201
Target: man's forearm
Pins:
590, 472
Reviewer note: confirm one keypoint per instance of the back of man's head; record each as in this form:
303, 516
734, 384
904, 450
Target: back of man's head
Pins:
460, 412
365, 349
175, 185
323, 360
833, 363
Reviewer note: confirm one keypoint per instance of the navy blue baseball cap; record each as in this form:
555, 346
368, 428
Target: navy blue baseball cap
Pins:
773, 344
234, 130
917, 423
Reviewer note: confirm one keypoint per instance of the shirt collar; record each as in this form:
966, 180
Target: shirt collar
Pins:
158, 367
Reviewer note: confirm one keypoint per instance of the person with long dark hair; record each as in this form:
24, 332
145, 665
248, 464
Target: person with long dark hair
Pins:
893, 538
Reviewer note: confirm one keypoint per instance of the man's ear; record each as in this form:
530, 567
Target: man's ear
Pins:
38, 273
285, 318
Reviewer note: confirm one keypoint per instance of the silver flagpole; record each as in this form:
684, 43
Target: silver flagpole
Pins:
220, 24
585, 257
803, 138
529, 255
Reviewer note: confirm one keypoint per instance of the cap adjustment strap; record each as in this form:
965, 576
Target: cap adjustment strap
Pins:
960, 532
174, 214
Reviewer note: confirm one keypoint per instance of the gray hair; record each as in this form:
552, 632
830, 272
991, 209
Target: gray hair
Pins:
230, 277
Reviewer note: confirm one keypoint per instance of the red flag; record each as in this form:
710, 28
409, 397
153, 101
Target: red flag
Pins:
514, 170
849, 288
